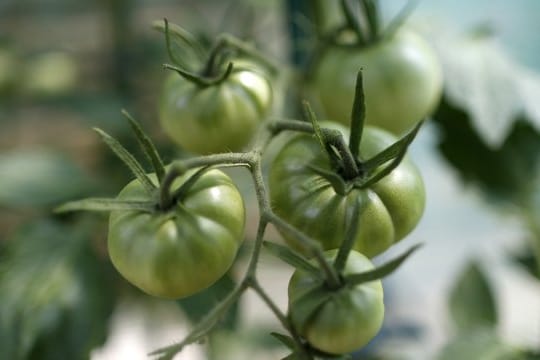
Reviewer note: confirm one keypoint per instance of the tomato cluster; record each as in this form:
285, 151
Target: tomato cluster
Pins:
175, 232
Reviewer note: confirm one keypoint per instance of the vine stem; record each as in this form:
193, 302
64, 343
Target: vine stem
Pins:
178, 168
253, 161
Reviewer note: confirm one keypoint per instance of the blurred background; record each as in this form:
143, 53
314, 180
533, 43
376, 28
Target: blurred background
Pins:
67, 66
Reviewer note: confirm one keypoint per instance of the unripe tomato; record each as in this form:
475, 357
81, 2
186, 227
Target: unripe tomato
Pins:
351, 316
391, 208
216, 118
177, 252
402, 81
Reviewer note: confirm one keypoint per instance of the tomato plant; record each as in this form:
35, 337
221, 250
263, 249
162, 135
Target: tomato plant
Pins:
402, 81
176, 231
348, 318
216, 118
177, 252
309, 191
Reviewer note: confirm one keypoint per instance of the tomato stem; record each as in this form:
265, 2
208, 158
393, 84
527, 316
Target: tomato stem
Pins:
309, 246
350, 236
178, 168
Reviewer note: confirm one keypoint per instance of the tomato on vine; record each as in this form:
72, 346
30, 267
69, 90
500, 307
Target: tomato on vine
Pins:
171, 234
402, 75
215, 118
217, 108
313, 194
176, 252
347, 318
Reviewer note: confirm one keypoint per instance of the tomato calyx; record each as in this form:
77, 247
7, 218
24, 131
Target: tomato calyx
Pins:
217, 64
349, 170
363, 22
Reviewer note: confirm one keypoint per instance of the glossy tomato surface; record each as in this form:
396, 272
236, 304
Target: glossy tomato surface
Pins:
180, 251
350, 316
402, 81
217, 118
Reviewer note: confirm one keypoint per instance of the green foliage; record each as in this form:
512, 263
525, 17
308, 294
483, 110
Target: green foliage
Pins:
40, 178
502, 173
55, 293
479, 345
472, 304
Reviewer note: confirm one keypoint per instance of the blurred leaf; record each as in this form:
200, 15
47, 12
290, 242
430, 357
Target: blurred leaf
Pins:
199, 305
55, 294
489, 86
40, 178
502, 173
472, 304
478, 345
527, 261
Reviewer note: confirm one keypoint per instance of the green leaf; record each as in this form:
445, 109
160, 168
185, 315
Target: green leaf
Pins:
482, 344
381, 271
486, 84
472, 304
527, 261
55, 293
40, 178
291, 257
503, 173
129, 160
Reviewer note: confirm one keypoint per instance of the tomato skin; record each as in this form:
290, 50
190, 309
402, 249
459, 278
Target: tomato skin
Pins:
402, 80
392, 207
350, 318
218, 118
176, 253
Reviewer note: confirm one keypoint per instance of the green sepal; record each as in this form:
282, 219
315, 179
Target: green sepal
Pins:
358, 116
336, 181
285, 340
308, 304
394, 153
291, 257
182, 36
380, 271
104, 204
200, 80
129, 160
147, 146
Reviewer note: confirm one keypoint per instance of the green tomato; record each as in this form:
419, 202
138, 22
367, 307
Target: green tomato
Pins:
348, 319
402, 81
391, 208
178, 252
217, 118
